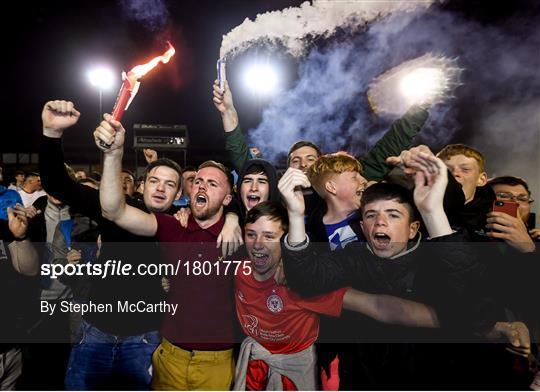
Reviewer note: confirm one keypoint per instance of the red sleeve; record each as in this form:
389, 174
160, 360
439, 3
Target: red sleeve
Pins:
168, 228
330, 303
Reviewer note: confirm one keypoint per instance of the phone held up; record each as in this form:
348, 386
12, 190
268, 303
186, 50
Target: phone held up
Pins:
508, 207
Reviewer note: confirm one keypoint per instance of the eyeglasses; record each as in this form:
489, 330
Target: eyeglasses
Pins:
511, 197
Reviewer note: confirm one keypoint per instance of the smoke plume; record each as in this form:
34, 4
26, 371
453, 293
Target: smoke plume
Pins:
293, 26
152, 14
496, 109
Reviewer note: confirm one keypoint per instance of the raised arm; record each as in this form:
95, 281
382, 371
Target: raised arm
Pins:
290, 186
454, 198
235, 141
111, 195
429, 188
57, 116
398, 138
310, 268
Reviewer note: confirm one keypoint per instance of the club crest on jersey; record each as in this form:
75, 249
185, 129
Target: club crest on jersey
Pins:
274, 303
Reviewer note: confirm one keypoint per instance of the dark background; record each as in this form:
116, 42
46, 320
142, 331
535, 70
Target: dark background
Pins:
50, 47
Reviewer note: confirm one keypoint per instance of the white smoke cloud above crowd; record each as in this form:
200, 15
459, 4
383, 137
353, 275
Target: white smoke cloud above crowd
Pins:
495, 110
294, 26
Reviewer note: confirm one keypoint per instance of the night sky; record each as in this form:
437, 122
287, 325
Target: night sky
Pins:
51, 46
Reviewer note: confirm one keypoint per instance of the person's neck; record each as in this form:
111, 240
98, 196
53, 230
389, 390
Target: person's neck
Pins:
471, 198
206, 223
336, 213
264, 277
24, 188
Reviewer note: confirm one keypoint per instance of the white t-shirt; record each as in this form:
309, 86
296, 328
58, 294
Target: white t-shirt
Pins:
29, 198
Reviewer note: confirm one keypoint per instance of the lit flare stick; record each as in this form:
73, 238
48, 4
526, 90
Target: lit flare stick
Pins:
127, 92
221, 73
423, 81
130, 85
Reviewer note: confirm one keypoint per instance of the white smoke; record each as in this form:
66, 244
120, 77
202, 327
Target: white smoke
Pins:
509, 136
426, 80
292, 26
496, 109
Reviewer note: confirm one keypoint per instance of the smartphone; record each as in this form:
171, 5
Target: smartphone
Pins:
508, 207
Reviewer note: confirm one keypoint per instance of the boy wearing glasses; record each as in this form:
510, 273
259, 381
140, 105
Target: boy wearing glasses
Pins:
513, 230
509, 188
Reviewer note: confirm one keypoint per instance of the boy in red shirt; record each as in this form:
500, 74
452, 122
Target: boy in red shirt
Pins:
281, 326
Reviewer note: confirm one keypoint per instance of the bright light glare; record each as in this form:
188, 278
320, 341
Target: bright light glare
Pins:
261, 79
426, 80
422, 84
101, 78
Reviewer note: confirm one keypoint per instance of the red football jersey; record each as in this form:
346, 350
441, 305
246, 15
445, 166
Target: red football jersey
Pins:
280, 320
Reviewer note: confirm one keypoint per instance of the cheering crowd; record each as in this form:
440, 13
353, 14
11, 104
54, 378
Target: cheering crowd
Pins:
399, 269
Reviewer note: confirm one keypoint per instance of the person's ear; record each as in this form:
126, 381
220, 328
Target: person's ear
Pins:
413, 229
482, 179
178, 194
330, 187
227, 200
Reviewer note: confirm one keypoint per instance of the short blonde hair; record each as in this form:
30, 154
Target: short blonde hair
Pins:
330, 165
221, 167
461, 149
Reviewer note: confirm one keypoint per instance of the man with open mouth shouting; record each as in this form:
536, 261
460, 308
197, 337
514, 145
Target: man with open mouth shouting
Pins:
193, 354
442, 273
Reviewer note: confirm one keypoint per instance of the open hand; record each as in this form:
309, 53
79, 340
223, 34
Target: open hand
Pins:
230, 238
290, 186
430, 181
510, 229
406, 160
182, 216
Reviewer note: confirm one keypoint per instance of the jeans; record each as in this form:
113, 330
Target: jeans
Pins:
10, 368
103, 361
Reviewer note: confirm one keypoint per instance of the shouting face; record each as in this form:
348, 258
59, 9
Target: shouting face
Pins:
254, 189
387, 227
348, 188
209, 193
262, 239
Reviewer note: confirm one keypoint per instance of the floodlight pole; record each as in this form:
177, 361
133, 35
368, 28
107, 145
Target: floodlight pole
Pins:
100, 89
100, 102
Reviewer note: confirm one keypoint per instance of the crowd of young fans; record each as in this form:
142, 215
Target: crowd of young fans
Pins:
400, 269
